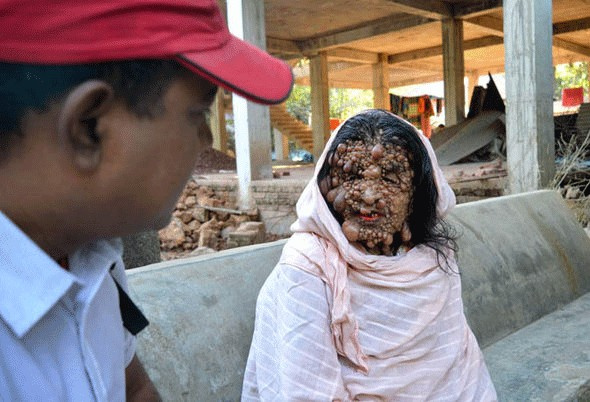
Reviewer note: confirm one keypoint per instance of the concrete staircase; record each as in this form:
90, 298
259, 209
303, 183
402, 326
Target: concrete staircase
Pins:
292, 127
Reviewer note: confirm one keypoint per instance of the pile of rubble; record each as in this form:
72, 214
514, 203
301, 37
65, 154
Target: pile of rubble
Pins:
579, 203
202, 223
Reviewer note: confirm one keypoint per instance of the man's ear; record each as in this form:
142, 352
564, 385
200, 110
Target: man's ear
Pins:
78, 121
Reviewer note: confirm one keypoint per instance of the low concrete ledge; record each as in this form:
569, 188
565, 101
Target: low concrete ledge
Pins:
548, 360
522, 257
201, 313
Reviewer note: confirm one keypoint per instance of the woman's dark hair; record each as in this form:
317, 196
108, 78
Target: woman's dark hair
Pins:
140, 83
426, 227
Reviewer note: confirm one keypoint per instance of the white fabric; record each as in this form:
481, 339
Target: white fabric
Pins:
334, 323
61, 333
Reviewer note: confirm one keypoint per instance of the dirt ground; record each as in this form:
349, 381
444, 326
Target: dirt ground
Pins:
212, 161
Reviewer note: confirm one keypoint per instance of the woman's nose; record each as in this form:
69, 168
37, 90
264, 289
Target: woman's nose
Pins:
372, 172
370, 196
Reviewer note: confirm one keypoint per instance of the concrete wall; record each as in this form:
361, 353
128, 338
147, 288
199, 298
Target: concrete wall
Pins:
201, 313
521, 257
276, 199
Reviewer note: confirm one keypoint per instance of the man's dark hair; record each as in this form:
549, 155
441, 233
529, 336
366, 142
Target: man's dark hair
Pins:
426, 227
23, 87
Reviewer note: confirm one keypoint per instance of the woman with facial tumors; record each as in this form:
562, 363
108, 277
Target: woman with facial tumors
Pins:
365, 302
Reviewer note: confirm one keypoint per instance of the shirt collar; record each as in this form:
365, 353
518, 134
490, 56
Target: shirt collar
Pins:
31, 282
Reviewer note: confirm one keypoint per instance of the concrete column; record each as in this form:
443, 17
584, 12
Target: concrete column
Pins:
320, 106
529, 94
217, 123
381, 83
281, 143
251, 121
453, 70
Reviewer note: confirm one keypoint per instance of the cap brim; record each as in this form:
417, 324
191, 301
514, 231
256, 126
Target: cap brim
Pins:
244, 69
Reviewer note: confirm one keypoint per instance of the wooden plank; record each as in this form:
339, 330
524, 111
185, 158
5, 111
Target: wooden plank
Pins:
354, 55
392, 23
429, 9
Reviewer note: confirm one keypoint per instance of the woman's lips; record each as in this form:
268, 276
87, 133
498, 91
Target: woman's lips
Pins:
370, 217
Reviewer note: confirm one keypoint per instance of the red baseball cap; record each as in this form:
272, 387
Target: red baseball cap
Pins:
193, 32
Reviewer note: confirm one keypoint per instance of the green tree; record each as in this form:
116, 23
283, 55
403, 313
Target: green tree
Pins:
344, 102
570, 75
299, 103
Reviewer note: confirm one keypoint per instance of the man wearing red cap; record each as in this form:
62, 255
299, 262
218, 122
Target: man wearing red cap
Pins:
102, 117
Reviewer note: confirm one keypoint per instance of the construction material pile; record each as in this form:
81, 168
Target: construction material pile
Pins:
202, 223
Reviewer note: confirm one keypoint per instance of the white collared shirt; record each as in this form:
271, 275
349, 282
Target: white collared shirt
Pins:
61, 332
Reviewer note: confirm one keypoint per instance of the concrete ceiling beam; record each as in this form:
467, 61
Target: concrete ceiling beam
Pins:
495, 26
436, 10
353, 55
437, 50
477, 8
381, 26
571, 26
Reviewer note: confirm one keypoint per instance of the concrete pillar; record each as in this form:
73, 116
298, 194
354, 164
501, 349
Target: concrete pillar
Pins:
281, 143
529, 94
217, 123
453, 70
320, 106
251, 121
381, 83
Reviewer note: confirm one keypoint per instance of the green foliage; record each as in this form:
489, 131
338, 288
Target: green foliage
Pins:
343, 102
570, 76
346, 102
299, 103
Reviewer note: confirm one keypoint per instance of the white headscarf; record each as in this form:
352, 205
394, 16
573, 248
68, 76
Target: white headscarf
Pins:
320, 247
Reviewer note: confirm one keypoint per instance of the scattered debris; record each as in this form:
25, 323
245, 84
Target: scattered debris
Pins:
213, 161
202, 223
480, 137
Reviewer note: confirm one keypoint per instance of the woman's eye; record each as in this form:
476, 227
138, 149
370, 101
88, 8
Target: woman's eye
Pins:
391, 177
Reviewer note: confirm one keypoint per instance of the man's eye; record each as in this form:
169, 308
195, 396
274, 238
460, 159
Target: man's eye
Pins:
197, 116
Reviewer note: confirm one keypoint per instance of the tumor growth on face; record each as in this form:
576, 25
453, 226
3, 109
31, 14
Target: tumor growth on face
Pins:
370, 188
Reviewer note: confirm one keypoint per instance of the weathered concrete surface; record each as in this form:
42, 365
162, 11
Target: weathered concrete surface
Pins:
529, 93
201, 313
521, 257
453, 70
548, 360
